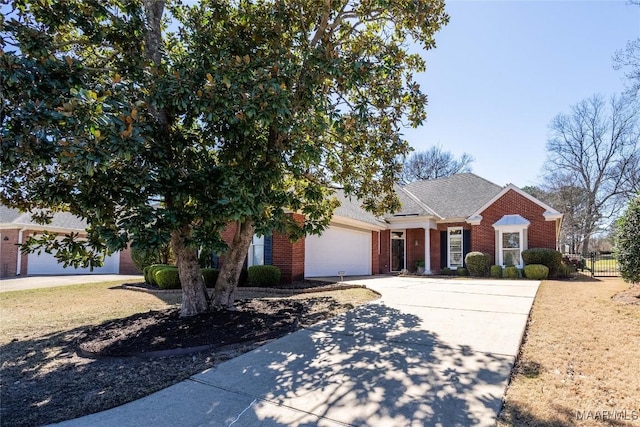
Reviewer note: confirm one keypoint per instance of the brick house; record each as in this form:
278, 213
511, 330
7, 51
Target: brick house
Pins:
15, 226
440, 221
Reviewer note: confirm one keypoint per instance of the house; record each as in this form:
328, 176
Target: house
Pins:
16, 226
440, 221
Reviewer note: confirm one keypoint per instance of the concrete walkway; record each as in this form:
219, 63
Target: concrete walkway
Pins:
429, 352
36, 282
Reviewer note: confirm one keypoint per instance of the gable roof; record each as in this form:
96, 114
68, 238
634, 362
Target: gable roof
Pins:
550, 213
457, 196
61, 220
350, 208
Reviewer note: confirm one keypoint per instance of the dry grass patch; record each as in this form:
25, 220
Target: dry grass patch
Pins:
579, 364
45, 381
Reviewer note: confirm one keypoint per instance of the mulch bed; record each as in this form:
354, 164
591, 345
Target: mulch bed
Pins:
629, 296
164, 333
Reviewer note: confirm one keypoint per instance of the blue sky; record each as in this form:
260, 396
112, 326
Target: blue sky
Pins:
503, 69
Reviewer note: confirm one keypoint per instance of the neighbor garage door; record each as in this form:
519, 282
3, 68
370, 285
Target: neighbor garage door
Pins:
338, 249
47, 264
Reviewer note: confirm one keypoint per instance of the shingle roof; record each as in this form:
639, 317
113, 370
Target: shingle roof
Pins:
350, 208
63, 220
457, 196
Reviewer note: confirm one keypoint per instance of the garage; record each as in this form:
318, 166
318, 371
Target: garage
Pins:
47, 264
338, 249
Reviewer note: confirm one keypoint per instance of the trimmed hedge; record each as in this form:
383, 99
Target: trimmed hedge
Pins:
462, 271
446, 271
536, 271
511, 272
150, 272
477, 263
496, 271
210, 276
549, 257
264, 275
168, 278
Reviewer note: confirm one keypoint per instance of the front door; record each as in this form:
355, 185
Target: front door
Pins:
397, 251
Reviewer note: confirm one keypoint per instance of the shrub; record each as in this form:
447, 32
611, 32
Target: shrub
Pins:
264, 275
627, 243
496, 271
552, 259
566, 271
511, 272
446, 271
477, 263
210, 275
462, 271
143, 258
152, 270
536, 271
168, 278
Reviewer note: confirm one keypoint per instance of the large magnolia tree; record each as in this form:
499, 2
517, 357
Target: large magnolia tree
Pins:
166, 122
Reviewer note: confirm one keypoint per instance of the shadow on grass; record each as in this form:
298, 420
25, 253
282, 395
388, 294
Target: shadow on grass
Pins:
521, 416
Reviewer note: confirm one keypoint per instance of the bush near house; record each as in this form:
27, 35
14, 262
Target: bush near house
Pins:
210, 276
150, 272
264, 275
536, 271
462, 271
477, 263
549, 257
511, 272
496, 271
446, 271
168, 278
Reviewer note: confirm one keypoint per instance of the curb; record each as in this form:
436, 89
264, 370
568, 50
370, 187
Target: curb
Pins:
276, 291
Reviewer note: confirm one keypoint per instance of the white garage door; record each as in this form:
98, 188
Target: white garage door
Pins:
47, 264
338, 249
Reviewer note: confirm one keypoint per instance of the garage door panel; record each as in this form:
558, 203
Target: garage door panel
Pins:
45, 263
338, 249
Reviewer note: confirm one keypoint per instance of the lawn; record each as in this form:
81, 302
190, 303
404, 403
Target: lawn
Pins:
580, 361
44, 380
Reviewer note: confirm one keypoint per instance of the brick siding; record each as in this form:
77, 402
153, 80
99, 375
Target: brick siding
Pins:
127, 265
414, 252
375, 257
384, 260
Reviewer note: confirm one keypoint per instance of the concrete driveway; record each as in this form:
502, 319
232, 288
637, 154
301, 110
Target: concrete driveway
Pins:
430, 352
35, 282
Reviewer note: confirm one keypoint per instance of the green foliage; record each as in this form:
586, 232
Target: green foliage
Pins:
477, 263
566, 271
536, 271
150, 276
143, 258
168, 278
420, 263
462, 271
511, 272
496, 271
627, 242
549, 257
264, 275
446, 271
210, 276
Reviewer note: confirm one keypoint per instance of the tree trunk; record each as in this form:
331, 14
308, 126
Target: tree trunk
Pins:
194, 291
227, 283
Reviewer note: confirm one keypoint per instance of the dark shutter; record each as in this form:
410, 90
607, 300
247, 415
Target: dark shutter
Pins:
214, 260
466, 245
268, 250
443, 249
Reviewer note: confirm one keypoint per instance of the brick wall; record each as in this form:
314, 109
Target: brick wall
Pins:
126, 263
9, 252
541, 233
375, 257
414, 252
384, 263
289, 256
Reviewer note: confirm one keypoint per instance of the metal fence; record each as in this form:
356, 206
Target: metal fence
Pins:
603, 265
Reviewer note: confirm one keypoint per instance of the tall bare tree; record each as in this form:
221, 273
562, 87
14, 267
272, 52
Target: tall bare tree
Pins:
595, 148
433, 163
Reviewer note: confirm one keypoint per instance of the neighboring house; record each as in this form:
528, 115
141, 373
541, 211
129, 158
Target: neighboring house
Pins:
16, 226
440, 221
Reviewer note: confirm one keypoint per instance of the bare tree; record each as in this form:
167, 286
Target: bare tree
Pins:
593, 152
628, 60
433, 164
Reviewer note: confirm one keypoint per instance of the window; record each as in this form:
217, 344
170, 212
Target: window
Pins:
256, 251
456, 248
511, 248
511, 239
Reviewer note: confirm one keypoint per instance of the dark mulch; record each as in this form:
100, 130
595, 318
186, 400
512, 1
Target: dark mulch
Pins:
164, 333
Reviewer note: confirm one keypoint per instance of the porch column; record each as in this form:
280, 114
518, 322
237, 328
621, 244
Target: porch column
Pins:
427, 251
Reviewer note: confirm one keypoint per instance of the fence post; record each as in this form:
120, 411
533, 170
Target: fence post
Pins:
593, 263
